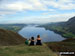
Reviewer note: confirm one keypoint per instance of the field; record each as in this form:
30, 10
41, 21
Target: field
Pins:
12, 27
23, 50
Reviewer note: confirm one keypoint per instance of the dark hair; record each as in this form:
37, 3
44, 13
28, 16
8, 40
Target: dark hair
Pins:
32, 38
38, 36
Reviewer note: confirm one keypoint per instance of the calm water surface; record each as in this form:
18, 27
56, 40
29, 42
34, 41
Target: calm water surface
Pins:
46, 35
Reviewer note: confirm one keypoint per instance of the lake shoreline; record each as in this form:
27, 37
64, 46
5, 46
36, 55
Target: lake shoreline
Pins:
46, 35
58, 32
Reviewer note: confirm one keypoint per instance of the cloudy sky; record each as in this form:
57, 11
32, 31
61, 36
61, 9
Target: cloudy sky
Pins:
36, 11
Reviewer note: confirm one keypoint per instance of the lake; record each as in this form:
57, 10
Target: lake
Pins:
46, 35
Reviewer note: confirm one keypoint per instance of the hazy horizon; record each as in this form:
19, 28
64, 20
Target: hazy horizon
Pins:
36, 11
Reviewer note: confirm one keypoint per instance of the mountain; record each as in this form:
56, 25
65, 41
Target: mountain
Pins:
71, 21
71, 24
66, 29
10, 38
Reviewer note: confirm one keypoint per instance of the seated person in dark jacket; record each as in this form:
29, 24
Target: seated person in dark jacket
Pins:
38, 40
32, 41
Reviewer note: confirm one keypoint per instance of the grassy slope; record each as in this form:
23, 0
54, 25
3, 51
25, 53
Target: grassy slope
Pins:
66, 45
10, 38
23, 50
66, 29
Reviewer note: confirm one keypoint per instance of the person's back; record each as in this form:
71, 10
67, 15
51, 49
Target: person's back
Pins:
32, 41
26, 42
38, 40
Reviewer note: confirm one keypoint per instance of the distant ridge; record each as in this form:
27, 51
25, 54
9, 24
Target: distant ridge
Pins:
71, 20
71, 24
10, 38
66, 29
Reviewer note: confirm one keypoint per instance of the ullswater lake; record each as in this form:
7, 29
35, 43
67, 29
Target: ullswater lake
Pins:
46, 35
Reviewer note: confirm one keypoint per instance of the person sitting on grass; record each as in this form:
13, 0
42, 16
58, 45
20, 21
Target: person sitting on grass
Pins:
32, 41
26, 42
29, 41
38, 40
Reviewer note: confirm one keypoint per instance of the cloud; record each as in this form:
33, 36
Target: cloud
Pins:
43, 19
24, 5
52, 18
50, 9
7, 12
1, 17
61, 4
67, 7
36, 5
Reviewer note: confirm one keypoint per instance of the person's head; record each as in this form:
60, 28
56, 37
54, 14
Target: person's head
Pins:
38, 36
32, 38
29, 39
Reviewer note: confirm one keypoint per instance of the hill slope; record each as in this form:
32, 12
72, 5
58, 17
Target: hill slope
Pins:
10, 38
67, 45
23, 50
71, 24
66, 29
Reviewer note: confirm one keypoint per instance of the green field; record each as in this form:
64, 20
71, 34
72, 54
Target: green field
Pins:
12, 27
23, 50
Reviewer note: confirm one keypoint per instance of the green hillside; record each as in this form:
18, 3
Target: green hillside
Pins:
12, 44
10, 38
12, 27
66, 29
23, 50
71, 24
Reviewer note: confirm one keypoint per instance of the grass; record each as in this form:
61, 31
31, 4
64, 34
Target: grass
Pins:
23, 50
66, 45
64, 31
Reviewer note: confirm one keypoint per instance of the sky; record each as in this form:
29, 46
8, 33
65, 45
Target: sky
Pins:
36, 11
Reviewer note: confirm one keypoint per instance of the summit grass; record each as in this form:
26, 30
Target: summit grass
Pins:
23, 50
